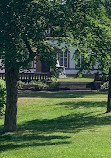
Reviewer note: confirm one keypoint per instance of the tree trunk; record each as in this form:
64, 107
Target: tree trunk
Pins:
109, 93
11, 100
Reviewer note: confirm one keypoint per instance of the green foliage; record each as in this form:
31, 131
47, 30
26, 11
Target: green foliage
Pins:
20, 84
39, 85
53, 85
105, 86
23, 32
92, 33
2, 96
85, 24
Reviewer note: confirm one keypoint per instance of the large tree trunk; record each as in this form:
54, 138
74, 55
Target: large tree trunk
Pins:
109, 93
11, 100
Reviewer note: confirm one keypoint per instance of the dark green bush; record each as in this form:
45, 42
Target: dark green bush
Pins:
2, 96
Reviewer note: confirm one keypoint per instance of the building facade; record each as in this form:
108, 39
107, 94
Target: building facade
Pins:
65, 59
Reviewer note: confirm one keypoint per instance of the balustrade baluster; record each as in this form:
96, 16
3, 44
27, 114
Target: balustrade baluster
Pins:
27, 77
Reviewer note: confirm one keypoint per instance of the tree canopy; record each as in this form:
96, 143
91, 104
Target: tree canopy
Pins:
23, 27
92, 33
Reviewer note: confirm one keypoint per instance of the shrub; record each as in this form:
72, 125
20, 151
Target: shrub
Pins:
2, 96
105, 86
20, 84
41, 85
53, 85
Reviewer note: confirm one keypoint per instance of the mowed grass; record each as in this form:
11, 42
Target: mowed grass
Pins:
59, 127
61, 94
72, 79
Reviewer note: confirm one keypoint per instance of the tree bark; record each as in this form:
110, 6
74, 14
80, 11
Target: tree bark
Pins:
11, 100
109, 93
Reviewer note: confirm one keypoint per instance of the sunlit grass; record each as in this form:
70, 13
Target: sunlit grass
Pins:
72, 79
49, 127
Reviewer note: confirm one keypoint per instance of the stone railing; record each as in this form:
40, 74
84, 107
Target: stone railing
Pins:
27, 77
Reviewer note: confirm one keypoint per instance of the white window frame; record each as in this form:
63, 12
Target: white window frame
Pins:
63, 59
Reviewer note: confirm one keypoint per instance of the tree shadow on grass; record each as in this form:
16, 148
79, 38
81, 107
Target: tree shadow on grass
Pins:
39, 132
42, 132
78, 104
23, 139
30, 137
11, 142
72, 123
58, 94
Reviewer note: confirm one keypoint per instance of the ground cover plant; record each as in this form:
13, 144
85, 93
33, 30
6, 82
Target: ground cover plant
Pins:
59, 127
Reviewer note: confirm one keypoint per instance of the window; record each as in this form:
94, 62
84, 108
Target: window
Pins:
79, 60
63, 59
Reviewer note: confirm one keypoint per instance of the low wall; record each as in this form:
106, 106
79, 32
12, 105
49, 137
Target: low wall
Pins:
79, 85
68, 86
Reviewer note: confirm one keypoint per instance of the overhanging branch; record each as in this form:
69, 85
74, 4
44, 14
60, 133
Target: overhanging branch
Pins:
28, 47
31, 53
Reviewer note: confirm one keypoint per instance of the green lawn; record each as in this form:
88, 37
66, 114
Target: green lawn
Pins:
61, 94
52, 126
72, 79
